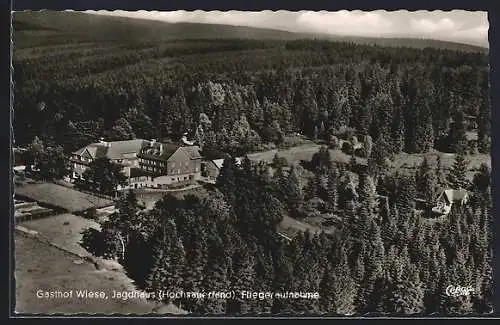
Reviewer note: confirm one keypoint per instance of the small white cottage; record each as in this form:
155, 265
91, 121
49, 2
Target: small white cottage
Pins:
449, 197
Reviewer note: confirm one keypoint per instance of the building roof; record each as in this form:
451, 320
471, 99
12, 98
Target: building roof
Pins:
192, 151
455, 195
220, 162
163, 151
113, 149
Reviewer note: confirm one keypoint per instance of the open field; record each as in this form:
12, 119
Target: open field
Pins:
302, 152
64, 230
403, 161
40, 266
406, 161
63, 197
290, 227
150, 196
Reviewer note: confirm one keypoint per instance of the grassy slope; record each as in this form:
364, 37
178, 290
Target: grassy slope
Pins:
61, 196
40, 266
64, 230
52, 27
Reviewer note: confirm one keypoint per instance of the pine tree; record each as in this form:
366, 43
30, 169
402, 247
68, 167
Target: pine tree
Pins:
457, 177
398, 131
450, 305
484, 124
294, 191
168, 261
199, 137
127, 222
378, 160
345, 287
457, 137
282, 282
405, 198
247, 165
312, 189
243, 279
279, 163
426, 182
332, 190
196, 253
303, 276
353, 163
482, 179
322, 130
321, 161
359, 274
422, 137
367, 146
374, 268
216, 277
425, 133
481, 185
264, 271
367, 196
227, 181
407, 292
326, 293
440, 179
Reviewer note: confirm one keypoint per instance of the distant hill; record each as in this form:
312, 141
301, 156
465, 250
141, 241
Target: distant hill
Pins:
32, 28
410, 42
90, 27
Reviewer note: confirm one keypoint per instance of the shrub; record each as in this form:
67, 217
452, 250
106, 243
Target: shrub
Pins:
334, 142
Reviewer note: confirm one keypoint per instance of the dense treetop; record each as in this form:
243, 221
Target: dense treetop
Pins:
270, 85
381, 257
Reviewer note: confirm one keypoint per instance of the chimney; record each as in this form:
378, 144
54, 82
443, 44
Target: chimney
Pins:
104, 143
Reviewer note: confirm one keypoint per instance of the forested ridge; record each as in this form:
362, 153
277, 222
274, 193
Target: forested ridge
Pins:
236, 96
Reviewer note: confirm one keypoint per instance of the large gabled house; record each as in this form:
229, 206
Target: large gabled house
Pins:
167, 163
123, 153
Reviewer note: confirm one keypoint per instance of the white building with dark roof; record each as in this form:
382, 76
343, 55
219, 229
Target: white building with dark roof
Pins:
120, 152
168, 163
449, 197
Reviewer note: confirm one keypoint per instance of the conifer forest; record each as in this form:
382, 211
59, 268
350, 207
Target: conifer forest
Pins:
381, 249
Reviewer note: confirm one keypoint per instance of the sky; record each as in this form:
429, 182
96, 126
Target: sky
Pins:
456, 25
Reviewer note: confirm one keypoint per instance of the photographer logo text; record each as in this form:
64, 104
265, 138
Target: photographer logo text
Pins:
457, 291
